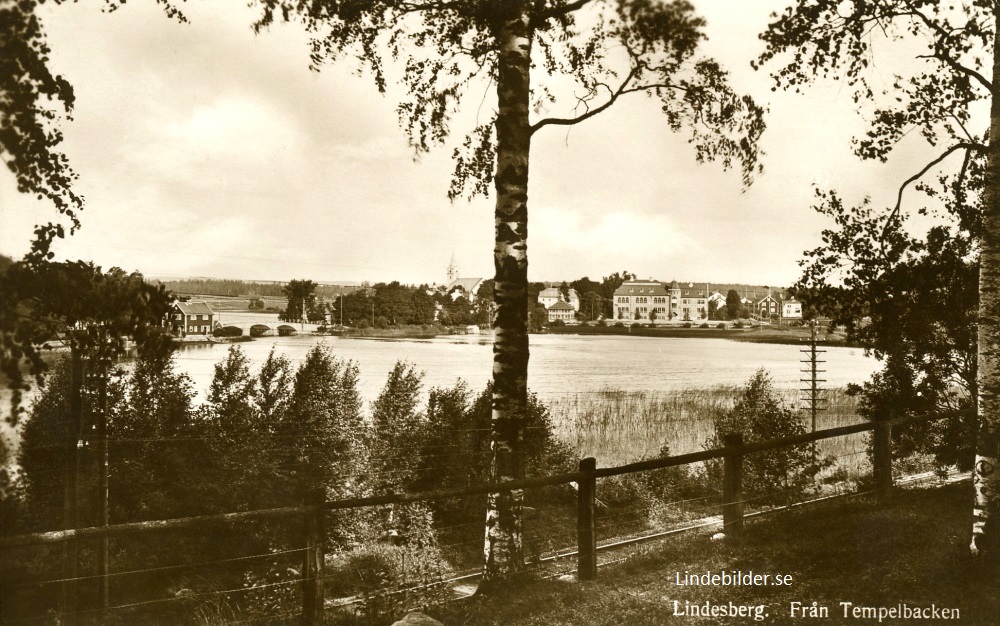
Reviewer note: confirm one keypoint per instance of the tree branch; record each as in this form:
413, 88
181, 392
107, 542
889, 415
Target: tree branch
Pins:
940, 54
566, 9
899, 197
569, 121
958, 67
958, 121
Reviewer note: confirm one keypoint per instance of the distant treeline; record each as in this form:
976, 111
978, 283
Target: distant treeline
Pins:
237, 288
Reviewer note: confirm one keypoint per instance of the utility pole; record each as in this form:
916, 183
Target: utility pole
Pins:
813, 398
100, 411
71, 496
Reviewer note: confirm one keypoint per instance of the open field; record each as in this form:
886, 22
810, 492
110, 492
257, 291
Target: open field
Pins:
237, 303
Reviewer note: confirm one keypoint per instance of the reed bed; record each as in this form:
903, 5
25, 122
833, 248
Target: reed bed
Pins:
617, 426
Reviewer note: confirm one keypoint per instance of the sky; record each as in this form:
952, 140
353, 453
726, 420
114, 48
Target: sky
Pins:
204, 150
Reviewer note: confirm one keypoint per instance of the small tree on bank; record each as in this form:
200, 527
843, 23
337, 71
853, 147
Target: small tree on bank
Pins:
759, 415
301, 296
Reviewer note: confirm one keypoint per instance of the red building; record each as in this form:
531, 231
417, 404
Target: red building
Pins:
191, 318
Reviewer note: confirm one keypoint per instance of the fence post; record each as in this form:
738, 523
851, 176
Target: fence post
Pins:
882, 458
586, 535
732, 486
71, 493
312, 569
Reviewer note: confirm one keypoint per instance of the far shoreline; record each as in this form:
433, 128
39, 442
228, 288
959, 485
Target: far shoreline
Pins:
778, 335
773, 334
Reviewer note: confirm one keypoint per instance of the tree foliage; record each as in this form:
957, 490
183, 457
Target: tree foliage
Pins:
455, 448
301, 296
42, 457
946, 353
760, 415
445, 47
734, 305
238, 415
396, 427
45, 300
31, 97
158, 467
397, 304
919, 291
33, 103
324, 420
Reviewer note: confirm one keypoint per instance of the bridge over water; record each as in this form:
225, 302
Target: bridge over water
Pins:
258, 325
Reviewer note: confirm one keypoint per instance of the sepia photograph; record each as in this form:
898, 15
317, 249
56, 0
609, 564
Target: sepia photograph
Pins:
492, 312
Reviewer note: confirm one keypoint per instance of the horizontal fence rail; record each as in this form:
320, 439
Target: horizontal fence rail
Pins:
585, 481
93, 532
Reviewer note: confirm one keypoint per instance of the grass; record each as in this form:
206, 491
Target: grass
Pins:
912, 550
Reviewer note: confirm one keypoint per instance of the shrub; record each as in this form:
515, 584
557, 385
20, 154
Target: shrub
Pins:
228, 331
460, 423
602, 323
738, 325
759, 414
653, 498
619, 325
393, 578
557, 323
688, 325
704, 325
721, 326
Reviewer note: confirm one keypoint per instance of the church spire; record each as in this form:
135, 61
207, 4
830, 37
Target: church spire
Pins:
452, 270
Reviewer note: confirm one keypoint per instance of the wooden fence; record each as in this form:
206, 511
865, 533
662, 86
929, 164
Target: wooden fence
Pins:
732, 454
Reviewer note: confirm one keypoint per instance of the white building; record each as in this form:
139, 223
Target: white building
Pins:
467, 288
649, 301
550, 295
562, 311
791, 309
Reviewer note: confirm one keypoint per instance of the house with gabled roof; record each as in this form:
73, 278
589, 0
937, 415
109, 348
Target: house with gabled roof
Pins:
562, 311
791, 309
767, 306
191, 318
467, 288
550, 295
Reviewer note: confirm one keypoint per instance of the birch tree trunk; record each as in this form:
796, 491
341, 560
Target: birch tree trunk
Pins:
503, 544
985, 477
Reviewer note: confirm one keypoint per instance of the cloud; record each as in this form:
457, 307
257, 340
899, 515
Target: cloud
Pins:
563, 240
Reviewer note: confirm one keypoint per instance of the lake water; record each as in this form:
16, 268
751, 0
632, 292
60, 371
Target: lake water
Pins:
562, 368
560, 364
